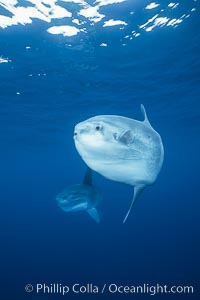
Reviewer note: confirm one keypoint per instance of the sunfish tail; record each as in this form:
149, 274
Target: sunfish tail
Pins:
137, 190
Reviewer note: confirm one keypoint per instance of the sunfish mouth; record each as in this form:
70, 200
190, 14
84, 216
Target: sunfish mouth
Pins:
77, 132
75, 136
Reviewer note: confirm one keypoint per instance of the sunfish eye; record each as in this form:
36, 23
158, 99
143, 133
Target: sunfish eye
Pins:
98, 128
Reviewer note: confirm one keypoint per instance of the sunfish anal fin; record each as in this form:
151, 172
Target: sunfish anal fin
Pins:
94, 214
137, 190
88, 177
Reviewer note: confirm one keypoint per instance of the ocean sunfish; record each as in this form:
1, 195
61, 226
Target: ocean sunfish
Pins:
121, 149
81, 197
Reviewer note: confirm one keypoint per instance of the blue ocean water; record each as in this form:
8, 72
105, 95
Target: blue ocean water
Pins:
49, 83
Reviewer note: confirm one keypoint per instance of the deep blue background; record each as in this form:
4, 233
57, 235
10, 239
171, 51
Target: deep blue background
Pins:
160, 243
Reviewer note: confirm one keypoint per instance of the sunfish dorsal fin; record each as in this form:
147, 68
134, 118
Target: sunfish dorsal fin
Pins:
94, 214
137, 190
88, 177
146, 120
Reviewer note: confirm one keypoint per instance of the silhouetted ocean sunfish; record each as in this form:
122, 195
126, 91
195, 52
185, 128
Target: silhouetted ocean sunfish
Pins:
121, 149
81, 197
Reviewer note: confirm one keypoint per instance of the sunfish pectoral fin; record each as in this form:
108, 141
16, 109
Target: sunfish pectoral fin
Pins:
146, 120
126, 137
137, 190
88, 177
94, 214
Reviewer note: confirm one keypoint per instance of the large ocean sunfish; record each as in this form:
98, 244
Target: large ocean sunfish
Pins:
121, 149
81, 197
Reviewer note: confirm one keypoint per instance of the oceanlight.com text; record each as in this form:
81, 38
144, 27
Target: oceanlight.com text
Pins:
111, 288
